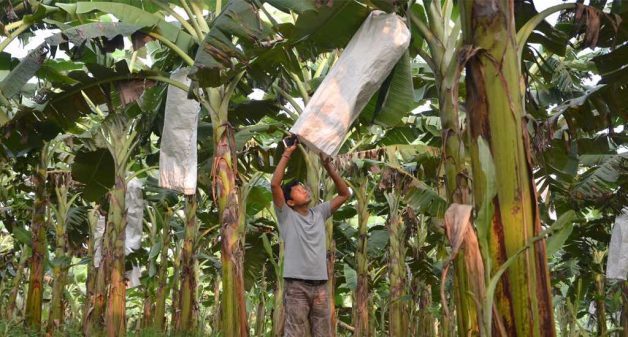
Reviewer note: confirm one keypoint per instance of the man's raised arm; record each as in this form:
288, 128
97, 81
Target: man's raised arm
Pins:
341, 186
275, 182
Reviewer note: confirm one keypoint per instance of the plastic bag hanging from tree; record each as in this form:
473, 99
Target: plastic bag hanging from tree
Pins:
363, 66
617, 264
177, 155
134, 205
134, 202
98, 239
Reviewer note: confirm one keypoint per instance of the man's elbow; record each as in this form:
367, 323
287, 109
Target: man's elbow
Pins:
344, 197
346, 193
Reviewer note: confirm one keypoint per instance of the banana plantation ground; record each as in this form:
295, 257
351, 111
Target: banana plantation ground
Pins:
488, 169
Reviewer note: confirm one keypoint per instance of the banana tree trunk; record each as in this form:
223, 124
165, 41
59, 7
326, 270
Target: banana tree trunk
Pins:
279, 314
188, 306
361, 310
115, 315
442, 39
38, 229
600, 306
60, 267
496, 111
426, 318
96, 319
624, 307
331, 276
217, 309
457, 192
162, 290
90, 283
17, 281
233, 305
147, 315
176, 298
227, 196
260, 313
398, 323
120, 142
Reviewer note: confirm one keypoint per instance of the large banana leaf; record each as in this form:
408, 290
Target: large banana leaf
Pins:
135, 16
293, 6
60, 111
239, 19
395, 99
600, 182
17, 78
545, 34
326, 28
94, 169
597, 109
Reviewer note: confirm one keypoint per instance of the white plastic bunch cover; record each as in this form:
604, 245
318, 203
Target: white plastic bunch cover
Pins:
134, 220
363, 66
177, 156
100, 231
617, 263
134, 202
133, 277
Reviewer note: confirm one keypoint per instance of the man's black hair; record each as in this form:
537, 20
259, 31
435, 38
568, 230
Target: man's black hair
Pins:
287, 188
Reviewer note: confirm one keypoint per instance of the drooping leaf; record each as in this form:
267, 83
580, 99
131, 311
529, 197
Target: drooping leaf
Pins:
399, 98
136, 16
564, 227
239, 19
298, 7
351, 276
258, 198
15, 80
94, 169
13, 83
247, 132
377, 242
485, 213
599, 183
551, 38
328, 28
22, 235
30, 128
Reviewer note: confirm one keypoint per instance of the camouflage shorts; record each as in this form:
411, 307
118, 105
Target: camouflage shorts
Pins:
307, 307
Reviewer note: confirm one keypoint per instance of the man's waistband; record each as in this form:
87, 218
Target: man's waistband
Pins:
309, 282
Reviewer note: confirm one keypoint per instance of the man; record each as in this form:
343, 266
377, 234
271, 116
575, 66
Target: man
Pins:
305, 264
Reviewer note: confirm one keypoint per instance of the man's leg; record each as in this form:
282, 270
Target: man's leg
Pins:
297, 309
320, 317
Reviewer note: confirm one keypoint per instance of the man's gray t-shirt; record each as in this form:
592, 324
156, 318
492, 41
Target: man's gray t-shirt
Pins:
304, 240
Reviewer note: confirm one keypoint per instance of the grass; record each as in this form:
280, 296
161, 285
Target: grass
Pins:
71, 329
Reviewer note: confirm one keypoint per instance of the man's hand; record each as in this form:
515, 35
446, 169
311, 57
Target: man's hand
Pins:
288, 151
326, 161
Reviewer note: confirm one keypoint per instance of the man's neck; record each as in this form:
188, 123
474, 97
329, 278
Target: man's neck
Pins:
303, 210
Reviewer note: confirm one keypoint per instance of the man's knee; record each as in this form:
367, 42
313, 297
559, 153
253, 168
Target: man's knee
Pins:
321, 315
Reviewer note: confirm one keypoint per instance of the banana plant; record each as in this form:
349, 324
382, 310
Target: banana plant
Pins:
189, 307
61, 262
120, 138
39, 254
509, 214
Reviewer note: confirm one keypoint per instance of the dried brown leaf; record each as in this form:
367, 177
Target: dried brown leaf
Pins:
462, 237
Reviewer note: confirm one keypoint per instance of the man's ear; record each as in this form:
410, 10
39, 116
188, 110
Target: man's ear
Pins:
290, 203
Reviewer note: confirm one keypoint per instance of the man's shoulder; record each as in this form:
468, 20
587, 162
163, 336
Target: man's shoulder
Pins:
324, 209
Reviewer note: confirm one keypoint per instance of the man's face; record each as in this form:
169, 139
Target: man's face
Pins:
300, 195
